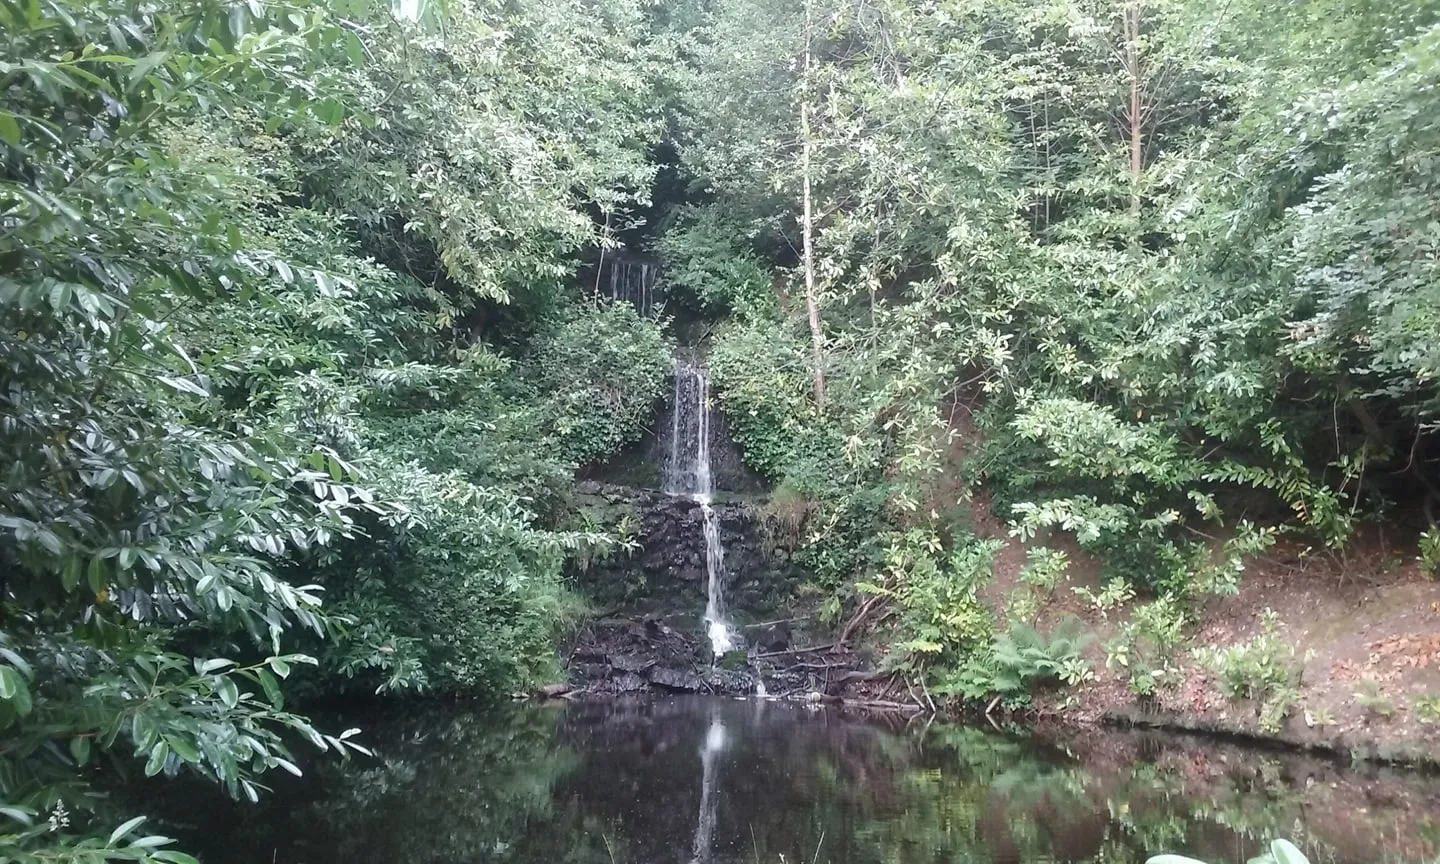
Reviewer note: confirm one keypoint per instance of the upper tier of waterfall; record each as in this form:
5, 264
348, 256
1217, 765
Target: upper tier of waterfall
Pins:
630, 280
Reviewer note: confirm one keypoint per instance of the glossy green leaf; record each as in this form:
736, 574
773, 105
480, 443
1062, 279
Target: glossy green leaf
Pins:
9, 129
80, 749
124, 829
15, 690
159, 753
354, 50
330, 111
271, 687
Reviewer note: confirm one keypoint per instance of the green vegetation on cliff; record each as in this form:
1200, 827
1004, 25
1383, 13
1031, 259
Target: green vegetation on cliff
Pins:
1156, 276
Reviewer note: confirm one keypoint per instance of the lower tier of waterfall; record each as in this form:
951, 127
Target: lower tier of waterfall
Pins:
687, 472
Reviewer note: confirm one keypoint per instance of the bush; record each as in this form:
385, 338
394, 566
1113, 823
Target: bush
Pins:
460, 594
1146, 644
599, 374
761, 373
1265, 669
1021, 660
1429, 557
706, 262
935, 590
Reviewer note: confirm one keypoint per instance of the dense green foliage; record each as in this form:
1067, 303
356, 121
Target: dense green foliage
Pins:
256, 395
1157, 275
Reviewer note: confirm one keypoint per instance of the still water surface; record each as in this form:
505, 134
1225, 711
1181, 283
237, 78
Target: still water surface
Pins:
711, 781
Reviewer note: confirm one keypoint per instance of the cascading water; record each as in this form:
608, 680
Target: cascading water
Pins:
630, 281
688, 473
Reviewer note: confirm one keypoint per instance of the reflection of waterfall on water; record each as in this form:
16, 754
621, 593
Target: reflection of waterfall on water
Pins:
705, 827
688, 473
635, 282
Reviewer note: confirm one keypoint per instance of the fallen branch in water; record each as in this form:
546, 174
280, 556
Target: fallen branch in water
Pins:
894, 679
911, 690
883, 705
926, 690
788, 651
827, 666
776, 621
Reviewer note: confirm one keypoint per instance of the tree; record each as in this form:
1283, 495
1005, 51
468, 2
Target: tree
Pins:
127, 520
807, 219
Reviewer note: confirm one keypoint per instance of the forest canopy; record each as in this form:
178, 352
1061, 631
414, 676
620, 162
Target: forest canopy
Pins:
301, 353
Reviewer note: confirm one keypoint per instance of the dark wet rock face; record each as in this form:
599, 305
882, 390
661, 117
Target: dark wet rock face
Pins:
631, 663
664, 570
775, 637
676, 679
628, 682
624, 655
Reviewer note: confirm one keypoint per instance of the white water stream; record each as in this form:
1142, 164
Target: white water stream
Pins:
630, 281
688, 473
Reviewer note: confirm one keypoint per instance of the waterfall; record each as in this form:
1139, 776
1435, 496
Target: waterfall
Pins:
688, 473
705, 827
630, 281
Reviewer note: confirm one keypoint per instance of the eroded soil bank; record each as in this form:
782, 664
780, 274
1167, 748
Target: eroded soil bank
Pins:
1365, 634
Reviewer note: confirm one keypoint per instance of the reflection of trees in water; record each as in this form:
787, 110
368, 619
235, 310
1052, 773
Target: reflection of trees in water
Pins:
744, 783
465, 788
449, 786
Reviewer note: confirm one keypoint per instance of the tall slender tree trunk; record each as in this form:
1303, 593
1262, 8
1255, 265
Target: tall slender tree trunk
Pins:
1136, 118
807, 227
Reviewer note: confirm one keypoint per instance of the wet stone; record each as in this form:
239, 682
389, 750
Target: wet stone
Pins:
631, 662
589, 671
628, 683
676, 679
729, 681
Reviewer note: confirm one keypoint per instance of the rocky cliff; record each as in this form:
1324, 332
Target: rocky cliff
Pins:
662, 570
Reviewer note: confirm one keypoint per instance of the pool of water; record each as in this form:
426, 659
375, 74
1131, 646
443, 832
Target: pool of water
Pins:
696, 780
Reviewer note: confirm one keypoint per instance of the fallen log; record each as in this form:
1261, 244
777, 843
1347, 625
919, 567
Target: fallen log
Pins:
788, 651
881, 704
776, 621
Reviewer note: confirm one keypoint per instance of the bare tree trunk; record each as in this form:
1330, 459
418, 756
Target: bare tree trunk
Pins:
1136, 118
812, 302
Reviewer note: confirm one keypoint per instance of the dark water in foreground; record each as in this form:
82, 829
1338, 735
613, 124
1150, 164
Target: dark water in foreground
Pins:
710, 780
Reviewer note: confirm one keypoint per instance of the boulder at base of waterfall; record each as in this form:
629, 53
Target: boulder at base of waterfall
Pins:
628, 683
774, 638
631, 662
589, 671
675, 679
729, 681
